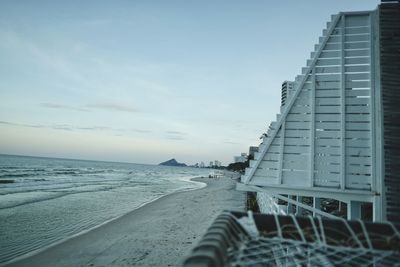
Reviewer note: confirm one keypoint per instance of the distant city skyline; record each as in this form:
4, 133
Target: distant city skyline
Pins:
146, 81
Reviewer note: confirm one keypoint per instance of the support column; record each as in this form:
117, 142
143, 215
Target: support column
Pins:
290, 206
316, 204
299, 210
353, 210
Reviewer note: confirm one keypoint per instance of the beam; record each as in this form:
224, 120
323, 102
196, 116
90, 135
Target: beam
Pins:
342, 195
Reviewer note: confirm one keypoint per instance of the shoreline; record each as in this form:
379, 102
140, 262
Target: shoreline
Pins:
44, 256
83, 232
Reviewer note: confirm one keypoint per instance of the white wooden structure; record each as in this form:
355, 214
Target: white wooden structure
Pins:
328, 140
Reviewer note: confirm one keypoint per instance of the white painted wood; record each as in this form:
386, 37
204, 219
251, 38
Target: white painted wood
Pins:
357, 30
269, 164
357, 53
326, 141
300, 109
358, 126
357, 61
353, 210
296, 133
295, 165
357, 21
327, 93
343, 195
302, 141
325, 62
355, 93
297, 125
327, 101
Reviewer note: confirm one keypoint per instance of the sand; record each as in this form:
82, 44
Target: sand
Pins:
160, 233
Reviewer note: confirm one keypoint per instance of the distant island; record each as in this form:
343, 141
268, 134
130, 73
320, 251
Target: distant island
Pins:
172, 162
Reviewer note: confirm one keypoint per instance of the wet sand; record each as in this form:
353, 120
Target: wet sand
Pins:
160, 233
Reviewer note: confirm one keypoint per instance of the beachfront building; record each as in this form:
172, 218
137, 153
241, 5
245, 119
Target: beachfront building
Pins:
286, 92
337, 137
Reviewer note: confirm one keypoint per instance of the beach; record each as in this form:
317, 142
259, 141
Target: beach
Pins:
160, 233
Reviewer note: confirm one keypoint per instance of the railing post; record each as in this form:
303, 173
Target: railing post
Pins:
353, 210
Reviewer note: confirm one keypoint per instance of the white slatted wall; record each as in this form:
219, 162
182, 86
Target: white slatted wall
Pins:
324, 136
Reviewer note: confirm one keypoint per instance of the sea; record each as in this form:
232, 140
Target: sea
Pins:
44, 201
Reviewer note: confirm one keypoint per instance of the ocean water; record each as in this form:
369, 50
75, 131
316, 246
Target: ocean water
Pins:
51, 199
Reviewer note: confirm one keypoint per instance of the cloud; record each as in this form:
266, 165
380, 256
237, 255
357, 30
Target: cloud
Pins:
90, 107
175, 138
60, 106
176, 133
231, 143
113, 107
22, 124
94, 128
140, 131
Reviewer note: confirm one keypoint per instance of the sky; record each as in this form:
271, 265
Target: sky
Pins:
146, 81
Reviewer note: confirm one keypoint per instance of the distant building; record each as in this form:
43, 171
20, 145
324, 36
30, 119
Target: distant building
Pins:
241, 158
217, 163
202, 165
211, 164
252, 151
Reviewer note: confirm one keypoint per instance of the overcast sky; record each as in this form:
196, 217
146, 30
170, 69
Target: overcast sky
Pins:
146, 81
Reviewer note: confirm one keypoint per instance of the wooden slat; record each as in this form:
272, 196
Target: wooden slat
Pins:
358, 134
358, 151
266, 172
357, 76
328, 150
297, 125
358, 160
326, 159
358, 109
295, 149
327, 54
358, 142
269, 164
297, 141
354, 169
263, 180
357, 21
364, 92
294, 178
298, 117
327, 101
327, 117
358, 118
299, 109
327, 109
326, 62
327, 85
295, 165
327, 134
327, 125
362, 68
327, 177
357, 53
357, 84
357, 45
359, 30
327, 142
326, 167
358, 126
327, 93
357, 60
